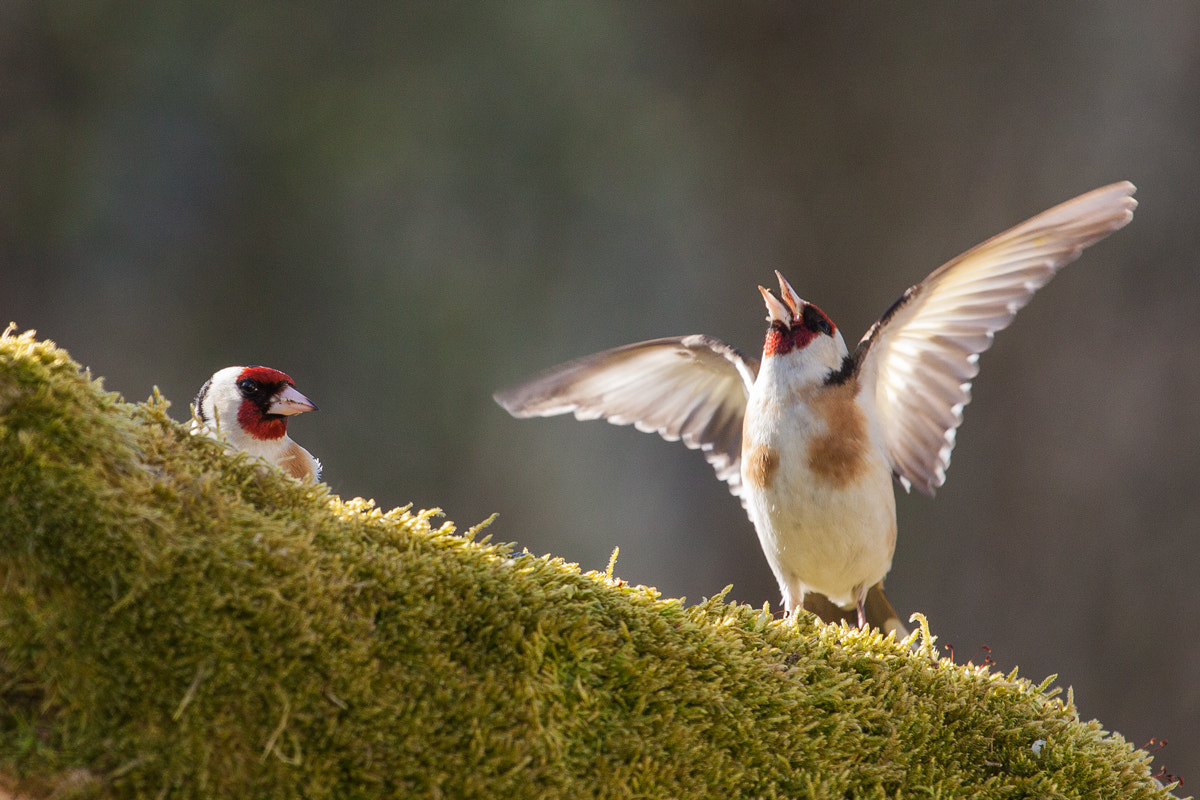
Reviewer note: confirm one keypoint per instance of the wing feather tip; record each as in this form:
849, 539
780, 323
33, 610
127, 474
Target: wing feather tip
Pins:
527, 410
504, 398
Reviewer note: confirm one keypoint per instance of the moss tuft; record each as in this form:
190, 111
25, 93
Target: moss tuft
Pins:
176, 621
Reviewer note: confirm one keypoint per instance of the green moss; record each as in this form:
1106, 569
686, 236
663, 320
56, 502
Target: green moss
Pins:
179, 622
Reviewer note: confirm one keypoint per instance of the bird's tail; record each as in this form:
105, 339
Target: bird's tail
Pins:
880, 613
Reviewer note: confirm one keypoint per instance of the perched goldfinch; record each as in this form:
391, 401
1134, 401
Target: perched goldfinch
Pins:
811, 438
249, 407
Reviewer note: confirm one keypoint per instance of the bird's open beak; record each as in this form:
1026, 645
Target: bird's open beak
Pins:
289, 402
786, 310
776, 311
789, 296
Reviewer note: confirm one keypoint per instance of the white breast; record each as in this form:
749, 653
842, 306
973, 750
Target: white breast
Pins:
819, 492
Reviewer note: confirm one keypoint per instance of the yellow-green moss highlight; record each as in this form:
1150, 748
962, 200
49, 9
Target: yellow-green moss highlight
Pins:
179, 622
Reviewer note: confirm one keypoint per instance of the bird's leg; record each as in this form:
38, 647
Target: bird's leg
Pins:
792, 604
860, 600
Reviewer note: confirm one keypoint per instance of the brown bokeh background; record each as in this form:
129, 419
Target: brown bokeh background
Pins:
407, 206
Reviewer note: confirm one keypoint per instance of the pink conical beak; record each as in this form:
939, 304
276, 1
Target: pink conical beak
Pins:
789, 295
776, 310
289, 402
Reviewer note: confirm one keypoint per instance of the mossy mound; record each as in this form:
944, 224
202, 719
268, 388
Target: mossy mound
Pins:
179, 622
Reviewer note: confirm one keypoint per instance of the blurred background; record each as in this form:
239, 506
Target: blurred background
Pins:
408, 206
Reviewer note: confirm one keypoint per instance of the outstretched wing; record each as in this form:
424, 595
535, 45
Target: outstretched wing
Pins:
916, 363
689, 388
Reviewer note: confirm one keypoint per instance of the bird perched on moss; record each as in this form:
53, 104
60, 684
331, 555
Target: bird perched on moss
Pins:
249, 407
812, 438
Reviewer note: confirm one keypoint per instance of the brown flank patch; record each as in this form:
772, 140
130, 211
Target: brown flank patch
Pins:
761, 465
838, 456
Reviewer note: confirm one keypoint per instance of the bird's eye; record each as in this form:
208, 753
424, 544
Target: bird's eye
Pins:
814, 320
248, 386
